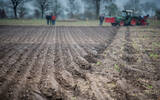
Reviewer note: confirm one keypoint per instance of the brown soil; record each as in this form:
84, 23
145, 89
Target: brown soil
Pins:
79, 63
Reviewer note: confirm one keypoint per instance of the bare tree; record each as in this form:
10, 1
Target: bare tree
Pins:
22, 11
15, 4
112, 9
97, 5
89, 14
94, 5
2, 10
2, 4
149, 7
158, 13
135, 5
73, 8
56, 8
37, 13
3, 13
42, 5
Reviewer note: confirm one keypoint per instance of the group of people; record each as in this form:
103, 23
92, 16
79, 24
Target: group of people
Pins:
51, 20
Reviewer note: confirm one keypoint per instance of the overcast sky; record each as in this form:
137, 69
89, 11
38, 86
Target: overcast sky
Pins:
120, 4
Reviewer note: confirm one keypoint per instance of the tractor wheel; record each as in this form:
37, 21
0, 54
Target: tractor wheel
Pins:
133, 22
121, 23
114, 24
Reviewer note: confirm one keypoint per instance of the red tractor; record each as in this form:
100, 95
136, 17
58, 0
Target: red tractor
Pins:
128, 19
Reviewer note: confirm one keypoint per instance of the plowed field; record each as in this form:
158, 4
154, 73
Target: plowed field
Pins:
79, 63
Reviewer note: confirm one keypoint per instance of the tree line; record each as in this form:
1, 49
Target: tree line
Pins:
92, 8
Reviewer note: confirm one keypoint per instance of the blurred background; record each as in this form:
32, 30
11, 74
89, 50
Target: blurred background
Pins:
34, 11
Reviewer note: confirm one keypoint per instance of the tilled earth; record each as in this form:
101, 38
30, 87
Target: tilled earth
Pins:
79, 63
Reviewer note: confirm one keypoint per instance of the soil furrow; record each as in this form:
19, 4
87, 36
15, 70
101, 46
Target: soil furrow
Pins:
12, 57
12, 71
24, 74
18, 66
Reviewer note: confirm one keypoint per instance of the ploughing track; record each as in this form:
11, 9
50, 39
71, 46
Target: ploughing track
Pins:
40, 62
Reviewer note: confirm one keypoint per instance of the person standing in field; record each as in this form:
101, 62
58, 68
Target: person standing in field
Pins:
48, 19
53, 20
101, 19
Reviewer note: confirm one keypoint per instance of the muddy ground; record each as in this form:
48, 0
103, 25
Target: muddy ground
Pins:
79, 63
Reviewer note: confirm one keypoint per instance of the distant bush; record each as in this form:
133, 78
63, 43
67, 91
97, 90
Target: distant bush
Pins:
3, 13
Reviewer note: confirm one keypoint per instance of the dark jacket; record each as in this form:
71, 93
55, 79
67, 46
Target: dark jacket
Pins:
101, 18
47, 17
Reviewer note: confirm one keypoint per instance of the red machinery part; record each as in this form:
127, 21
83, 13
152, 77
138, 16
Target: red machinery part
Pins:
133, 22
110, 20
143, 22
121, 23
145, 17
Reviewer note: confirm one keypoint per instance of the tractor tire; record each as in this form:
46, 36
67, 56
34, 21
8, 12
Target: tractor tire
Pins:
133, 22
114, 24
121, 23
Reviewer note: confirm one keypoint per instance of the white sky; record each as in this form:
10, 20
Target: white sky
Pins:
120, 4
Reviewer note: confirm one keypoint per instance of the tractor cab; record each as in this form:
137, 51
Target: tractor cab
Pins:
127, 16
127, 13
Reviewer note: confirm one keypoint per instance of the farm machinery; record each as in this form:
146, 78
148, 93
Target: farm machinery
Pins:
128, 19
